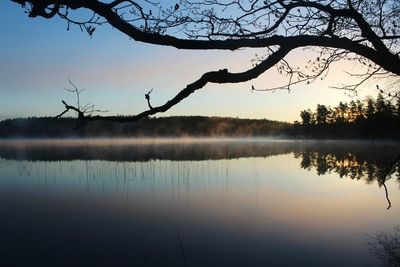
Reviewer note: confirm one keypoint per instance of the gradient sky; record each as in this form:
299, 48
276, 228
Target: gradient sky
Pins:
37, 56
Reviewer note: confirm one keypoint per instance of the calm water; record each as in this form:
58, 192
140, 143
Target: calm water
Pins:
195, 202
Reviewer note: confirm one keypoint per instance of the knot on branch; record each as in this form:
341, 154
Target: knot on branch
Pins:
223, 71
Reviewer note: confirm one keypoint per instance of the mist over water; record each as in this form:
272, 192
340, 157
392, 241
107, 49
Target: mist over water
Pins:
217, 202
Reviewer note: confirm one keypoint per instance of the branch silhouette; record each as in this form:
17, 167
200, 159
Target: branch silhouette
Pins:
353, 30
83, 112
147, 96
221, 76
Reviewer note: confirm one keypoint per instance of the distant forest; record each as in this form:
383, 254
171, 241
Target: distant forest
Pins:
190, 126
370, 119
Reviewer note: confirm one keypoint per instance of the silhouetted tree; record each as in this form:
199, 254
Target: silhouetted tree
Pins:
356, 30
341, 112
353, 112
380, 105
370, 109
322, 114
360, 109
306, 116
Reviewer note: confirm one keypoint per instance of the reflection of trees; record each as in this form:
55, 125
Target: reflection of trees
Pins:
357, 160
350, 165
386, 246
369, 163
142, 149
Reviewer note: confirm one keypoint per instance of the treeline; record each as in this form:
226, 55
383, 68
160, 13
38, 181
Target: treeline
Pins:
369, 119
179, 126
372, 118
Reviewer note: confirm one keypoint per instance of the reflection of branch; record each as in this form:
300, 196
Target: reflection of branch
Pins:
389, 169
352, 166
182, 250
385, 175
387, 196
385, 246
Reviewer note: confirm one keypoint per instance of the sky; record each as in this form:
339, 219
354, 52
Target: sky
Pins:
38, 56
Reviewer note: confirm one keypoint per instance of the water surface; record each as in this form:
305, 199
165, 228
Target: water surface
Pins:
214, 202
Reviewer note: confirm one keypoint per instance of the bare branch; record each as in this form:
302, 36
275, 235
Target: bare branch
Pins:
83, 112
221, 77
81, 115
339, 28
147, 96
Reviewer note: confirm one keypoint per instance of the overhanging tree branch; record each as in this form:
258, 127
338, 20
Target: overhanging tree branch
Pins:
221, 77
343, 29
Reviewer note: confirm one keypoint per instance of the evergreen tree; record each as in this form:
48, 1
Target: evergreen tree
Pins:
322, 114
306, 116
360, 109
342, 112
352, 111
380, 104
370, 110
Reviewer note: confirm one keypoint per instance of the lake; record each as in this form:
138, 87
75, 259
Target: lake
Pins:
196, 202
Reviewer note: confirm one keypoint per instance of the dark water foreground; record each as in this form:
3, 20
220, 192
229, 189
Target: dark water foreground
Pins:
211, 202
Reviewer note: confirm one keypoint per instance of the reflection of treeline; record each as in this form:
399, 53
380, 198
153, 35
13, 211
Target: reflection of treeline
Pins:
165, 126
367, 162
358, 160
141, 150
371, 118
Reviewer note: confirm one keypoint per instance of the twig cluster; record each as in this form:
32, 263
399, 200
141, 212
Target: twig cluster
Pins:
83, 112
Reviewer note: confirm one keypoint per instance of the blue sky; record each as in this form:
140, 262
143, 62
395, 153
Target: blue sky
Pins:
37, 56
